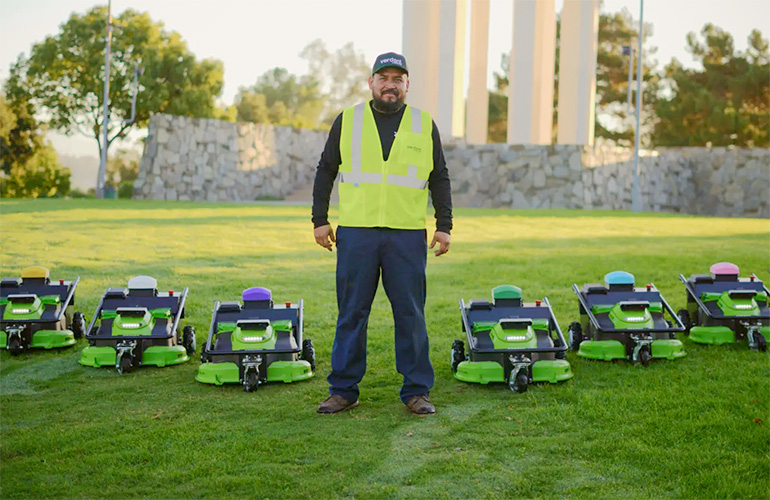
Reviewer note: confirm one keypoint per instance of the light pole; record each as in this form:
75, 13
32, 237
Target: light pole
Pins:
635, 202
629, 51
106, 113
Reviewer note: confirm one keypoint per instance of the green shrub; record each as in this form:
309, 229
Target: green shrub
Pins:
42, 176
126, 189
78, 194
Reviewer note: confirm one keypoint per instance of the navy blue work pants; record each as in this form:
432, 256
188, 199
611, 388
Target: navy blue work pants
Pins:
400, 256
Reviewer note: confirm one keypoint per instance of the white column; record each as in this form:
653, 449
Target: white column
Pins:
530, 92
420, 47
477, 120
450, 116
578, 45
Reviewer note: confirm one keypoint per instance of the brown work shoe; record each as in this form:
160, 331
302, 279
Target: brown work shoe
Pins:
421, 405
334, 404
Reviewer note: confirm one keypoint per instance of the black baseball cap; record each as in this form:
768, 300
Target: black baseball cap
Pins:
390, 60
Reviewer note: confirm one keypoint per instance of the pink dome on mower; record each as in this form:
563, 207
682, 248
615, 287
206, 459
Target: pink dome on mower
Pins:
724, 269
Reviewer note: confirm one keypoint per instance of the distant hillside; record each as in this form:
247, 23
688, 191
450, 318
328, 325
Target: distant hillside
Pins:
84, 170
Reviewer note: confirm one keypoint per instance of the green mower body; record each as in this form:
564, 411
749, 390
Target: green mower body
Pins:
723, 308
620, 321
256, 342
137, 326
36, 313
510, 342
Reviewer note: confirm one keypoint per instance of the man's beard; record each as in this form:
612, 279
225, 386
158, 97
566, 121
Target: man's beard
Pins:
387, 107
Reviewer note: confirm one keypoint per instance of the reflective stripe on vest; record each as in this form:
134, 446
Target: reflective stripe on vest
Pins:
356, 176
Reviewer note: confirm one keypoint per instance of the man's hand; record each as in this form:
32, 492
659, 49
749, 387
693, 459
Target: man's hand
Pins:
324, 236
443, 239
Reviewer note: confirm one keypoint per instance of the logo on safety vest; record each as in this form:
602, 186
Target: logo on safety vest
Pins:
416, 149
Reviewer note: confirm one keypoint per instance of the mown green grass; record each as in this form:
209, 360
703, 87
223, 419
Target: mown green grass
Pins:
694, 428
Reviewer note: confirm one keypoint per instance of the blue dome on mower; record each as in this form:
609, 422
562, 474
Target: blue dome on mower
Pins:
619, 278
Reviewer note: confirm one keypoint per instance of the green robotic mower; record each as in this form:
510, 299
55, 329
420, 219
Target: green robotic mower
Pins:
619, 321
723, 308
256, 342
38, 314
510, 342
139, 326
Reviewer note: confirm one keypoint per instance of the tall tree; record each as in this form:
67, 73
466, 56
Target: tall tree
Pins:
726, 102
64, 74
20, 135
498, 104
334, 81
280, 98
613, 120
341, 76
30, 166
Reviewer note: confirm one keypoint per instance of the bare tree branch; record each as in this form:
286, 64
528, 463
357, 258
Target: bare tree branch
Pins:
122, 129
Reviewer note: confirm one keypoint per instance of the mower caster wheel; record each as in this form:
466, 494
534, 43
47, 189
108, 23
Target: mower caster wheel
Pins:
561, 355
78, 325
645, 355
251, 381
188, 339
308, 353
575, 335
518, 383
204, 354
458, 354
124, 366
14, 346
684, 317
761, 342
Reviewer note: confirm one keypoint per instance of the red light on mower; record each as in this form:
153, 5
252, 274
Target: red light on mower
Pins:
288, 304
538, 302
61, 282
171, 293
649, 287
752, 277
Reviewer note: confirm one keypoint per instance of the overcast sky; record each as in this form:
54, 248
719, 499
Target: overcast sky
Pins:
252, 36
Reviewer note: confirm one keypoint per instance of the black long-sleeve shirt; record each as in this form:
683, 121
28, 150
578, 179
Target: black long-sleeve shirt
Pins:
387, 126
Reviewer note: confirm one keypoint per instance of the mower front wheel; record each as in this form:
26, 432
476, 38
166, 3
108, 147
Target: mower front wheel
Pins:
519, 382
78, 325
14, 346
188, 339
308, 352
251, 380
124, 365
458, 354
684, 317
575, 335
645, 355
761, 342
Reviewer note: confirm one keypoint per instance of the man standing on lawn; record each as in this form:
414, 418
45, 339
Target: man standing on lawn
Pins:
388, 155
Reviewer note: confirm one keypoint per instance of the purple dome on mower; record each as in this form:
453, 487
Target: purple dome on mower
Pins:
724, 269
257, 293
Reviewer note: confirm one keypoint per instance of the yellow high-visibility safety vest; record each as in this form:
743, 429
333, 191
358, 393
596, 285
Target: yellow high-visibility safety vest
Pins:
378, 193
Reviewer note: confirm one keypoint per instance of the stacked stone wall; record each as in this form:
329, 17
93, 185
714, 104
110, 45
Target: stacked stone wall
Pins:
213, 160
730, 182
502, 175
